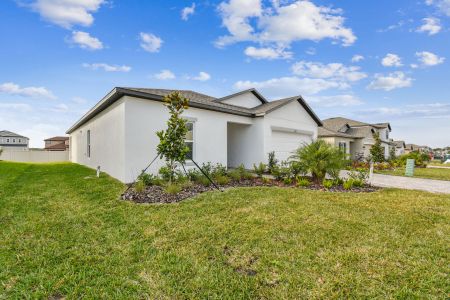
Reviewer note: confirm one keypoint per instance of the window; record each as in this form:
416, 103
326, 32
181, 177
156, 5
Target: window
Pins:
343, 147
7, 140
20, 141
88, 139
14, 140
387, 134
189, 140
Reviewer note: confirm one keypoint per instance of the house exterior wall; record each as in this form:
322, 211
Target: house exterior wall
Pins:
144, 117
246, 144
107, 131
399, 151
15, 143
244, 100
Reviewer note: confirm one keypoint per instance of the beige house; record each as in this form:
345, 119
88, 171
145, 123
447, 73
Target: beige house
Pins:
355, 138
400, 147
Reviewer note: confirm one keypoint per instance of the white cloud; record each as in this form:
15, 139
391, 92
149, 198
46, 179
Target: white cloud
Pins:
429, 59
357, 58
21, 107
86, 41
430, 25
107, 68
14, 89
267, 53
288, 86
150, 42
442, 5
391, 60
335, 71
202, 76
187, 11
67, 13
60, 108
79, 100
165, 75
281, 25
391, 81
424, 110
336, 100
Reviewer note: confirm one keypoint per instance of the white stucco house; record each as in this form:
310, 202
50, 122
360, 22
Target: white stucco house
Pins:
354, 137
119, 133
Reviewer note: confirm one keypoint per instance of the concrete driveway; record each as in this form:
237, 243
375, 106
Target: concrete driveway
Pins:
408, 183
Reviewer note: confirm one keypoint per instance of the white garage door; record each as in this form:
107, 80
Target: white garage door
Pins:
284, 143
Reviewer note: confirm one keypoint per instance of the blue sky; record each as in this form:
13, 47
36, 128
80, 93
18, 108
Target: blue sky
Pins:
374, 61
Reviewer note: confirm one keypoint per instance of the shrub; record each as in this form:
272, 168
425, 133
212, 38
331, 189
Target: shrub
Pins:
266, 180
296, 168
166, 173
203, 181
287, 181
358, 183
260, 169
219, 169
319, 158
222, 179
235, 175
302, 181
148, 179
420, 159
327, 183
172, 188
348, 184
360, 174
272, 163
139, 186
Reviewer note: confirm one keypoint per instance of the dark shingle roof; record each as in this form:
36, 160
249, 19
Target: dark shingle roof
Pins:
58, 138
6, 133
196, 100
356, 129
325, 132
399, 144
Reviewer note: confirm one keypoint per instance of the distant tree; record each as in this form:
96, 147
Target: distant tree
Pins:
392, 154
171, 141
377, 151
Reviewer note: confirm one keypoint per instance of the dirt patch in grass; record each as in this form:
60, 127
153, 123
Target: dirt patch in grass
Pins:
157, 194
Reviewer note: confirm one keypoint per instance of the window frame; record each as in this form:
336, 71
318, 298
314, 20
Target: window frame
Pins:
344, 148
188, 121
88, 143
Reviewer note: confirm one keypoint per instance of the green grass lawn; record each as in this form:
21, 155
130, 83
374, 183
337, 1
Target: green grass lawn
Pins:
65, 233
429, 173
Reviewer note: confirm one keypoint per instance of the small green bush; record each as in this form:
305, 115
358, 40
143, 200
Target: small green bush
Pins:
287, 181
222, 179
148, 179
302, 181
139, 186
328, 184
260, 169
358, 183
203, 181
272, 163
173, 188
266, 180
165, 173
348, 184
235, 175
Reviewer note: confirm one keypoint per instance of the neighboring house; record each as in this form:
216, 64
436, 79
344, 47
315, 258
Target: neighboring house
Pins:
411, 148
57, 143
355, 138
13, 141
119, 133
400, 147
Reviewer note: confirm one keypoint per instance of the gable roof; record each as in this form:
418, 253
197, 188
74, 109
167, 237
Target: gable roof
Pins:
400, 144
6, 133
196, 100
253, 91
58, 138
343, 127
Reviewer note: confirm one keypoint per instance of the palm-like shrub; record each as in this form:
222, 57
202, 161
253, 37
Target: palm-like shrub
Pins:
319, 158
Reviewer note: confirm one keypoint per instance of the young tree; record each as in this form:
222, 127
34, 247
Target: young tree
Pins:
171, 141
392, 155
377, 152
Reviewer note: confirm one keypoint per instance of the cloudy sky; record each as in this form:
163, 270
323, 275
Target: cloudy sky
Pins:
375, 61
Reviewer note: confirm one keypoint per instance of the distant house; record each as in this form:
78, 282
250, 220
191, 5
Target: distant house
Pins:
400, 147
412, 148
13, 141
57, 143
355, 138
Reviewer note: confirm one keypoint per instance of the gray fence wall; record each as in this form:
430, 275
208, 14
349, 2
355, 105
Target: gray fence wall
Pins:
35, 156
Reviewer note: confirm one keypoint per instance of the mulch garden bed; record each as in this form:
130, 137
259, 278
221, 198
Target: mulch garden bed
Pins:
157, 194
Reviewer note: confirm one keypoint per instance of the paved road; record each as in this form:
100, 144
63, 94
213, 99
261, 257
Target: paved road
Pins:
429, 185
